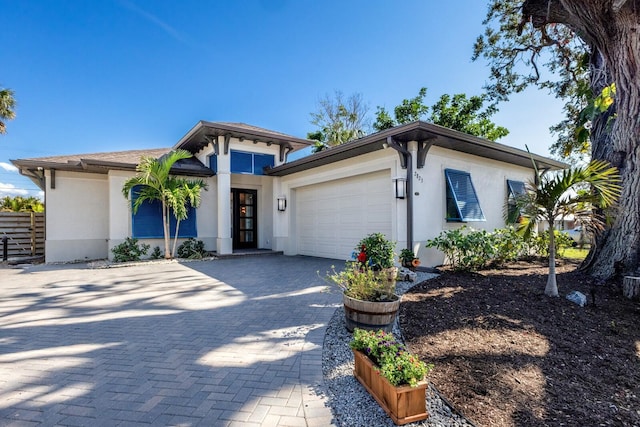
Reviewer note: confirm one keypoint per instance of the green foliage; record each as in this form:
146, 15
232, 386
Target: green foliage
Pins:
156, 254
7, 108
378, 251
363, 283
338, 120
540, 242
391, 357
524, 48
407, 255
158, 184
408, 111
21, 204
129, 250
455, 112
466, 115
192, 249
472, 250
465, 249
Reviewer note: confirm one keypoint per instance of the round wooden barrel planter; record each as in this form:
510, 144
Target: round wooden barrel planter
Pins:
370, 315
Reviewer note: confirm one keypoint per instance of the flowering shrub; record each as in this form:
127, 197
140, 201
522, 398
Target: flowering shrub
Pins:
391, 357
375, 251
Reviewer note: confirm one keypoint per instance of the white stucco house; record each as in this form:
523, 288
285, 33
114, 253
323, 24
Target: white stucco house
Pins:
409, 182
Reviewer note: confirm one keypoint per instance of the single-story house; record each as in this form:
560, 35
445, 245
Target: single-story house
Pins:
410, 182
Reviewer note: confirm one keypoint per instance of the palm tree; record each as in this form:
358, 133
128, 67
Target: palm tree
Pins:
183, 193
7, 106
157, 184
21, 204
558, 195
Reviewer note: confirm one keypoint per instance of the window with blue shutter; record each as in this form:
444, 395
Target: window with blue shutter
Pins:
515, 190
462, 200
147, 222
250, 163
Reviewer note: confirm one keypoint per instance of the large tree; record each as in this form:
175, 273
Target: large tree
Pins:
7, 108
591, 49
338, 119
154, 182
455, 112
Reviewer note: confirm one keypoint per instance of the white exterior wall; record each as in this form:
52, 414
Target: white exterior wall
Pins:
77, 217
386, 161
489, 179
212, 214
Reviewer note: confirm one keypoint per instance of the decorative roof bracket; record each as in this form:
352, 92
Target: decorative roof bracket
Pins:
423, 149
213, 140
284, 151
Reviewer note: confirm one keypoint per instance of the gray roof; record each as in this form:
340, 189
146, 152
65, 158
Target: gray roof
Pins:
103, 162
420, 131
197, 137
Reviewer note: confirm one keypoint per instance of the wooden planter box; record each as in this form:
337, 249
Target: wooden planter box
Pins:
403, 404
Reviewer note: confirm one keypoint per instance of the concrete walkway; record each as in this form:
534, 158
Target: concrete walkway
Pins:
210, 343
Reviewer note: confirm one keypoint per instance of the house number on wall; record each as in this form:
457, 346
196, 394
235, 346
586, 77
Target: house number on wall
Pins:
418, 176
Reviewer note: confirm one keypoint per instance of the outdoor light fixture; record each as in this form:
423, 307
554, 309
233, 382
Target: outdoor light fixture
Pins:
400, 185
282, 203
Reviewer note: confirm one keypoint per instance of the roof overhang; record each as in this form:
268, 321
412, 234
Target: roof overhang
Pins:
34, 168
421, 132
205, 132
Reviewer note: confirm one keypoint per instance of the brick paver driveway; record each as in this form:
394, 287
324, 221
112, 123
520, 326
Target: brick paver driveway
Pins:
215, 343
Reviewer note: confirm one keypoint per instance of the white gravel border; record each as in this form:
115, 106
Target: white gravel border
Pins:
351, 404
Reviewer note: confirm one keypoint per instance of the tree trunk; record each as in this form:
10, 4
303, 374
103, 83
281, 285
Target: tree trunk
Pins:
166, 229
610, 28
552, 286
631, 287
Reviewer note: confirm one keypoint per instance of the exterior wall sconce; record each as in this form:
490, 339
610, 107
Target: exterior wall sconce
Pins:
282, 203
400, 186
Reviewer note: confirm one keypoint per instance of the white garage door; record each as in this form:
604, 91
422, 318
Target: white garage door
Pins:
332, 217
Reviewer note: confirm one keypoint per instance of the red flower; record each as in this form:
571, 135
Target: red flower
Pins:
362, 257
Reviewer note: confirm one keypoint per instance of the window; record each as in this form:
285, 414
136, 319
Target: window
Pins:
250, 163
147, 222
462, 201
213, 163
514, 190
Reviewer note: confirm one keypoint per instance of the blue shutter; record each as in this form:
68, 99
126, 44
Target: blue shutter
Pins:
462, 201
516, 188
147, 222
213, 163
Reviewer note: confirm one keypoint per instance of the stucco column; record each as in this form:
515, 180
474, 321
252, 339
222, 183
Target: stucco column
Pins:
224, 242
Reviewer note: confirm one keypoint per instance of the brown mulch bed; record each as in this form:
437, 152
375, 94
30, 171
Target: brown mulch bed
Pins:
507, 355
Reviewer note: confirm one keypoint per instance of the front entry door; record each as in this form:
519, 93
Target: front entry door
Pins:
244, 206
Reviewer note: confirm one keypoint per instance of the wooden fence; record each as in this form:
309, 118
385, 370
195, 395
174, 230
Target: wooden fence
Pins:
24, 232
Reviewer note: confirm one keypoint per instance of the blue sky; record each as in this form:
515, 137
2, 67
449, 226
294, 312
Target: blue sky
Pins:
109, 75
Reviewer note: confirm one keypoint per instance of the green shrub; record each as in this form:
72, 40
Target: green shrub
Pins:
192, 249
465, 249
540, 242
129, 250
375, 251
156, 254
472, 250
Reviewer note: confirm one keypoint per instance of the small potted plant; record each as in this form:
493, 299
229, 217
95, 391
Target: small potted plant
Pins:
392, 375
409, 260
377, 252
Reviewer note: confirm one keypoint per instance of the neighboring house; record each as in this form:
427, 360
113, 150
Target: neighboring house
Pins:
409, 182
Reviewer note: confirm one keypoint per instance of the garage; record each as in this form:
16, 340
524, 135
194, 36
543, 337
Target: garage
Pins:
331, 217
